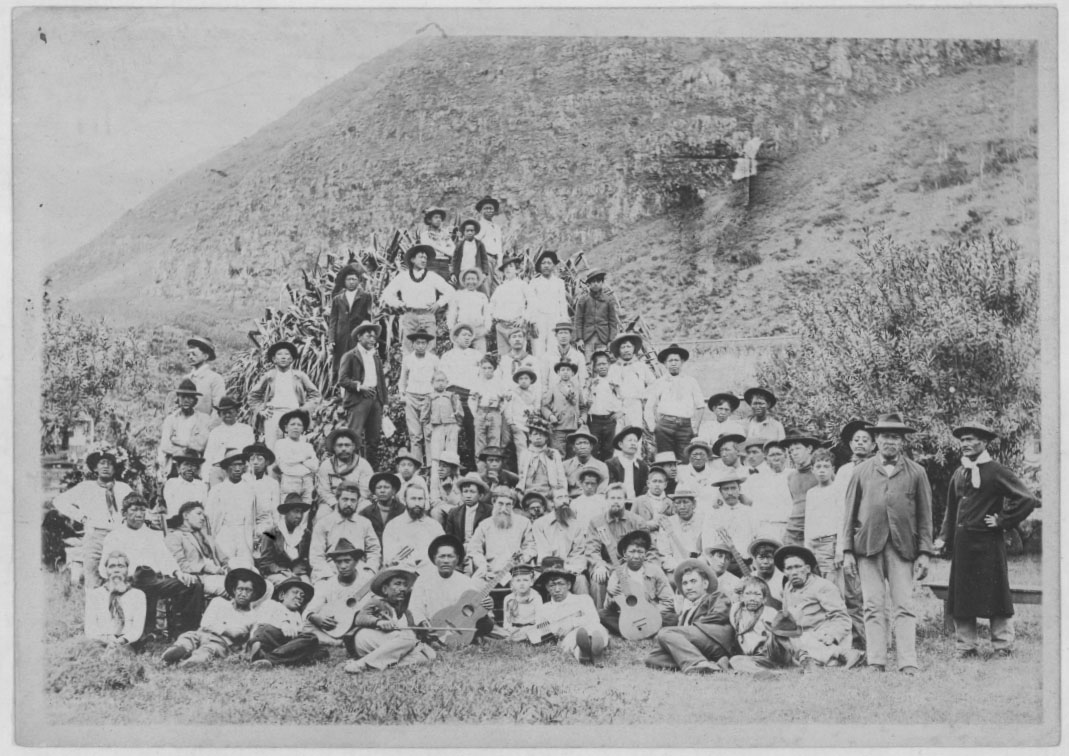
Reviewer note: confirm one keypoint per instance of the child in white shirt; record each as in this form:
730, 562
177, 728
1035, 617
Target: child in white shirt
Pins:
471, 307
417, 369
824, 516
295, 458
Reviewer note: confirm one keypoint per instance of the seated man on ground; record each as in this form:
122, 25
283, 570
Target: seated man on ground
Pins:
383, 637
115, 612
225, 626
761, 632
603, 534
195, 550
816, 605
702, 642
342, 522
442, 588
639, 578
284, 548
278, 637
339, 596
571, 618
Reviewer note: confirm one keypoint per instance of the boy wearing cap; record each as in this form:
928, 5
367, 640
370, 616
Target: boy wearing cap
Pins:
349, 308
582, 444
295, 458
225, 626
488, 394
470, 254
229, 434
547, 302
606, 409
231, 510
331, 606
419, 292
563, 351
702, 642
417, 371
631, 375
762, 424
278, 639
721, 421
343, 523
572, 617
520, 609
763, 552
283, 549
509, 303
563, 405
184, 428
471, 307
194, 549
761, 632
637, 576
674, 403
597, 318
383, 638
444, 416
282, 389
210, 384
542, 468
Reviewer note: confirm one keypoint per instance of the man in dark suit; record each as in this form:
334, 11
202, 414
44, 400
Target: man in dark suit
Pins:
384, 504
633, 476
492, 461
349, 307
701, 643
470, 253
360, 374
462, 521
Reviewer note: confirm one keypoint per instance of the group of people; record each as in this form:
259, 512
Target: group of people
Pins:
584, 484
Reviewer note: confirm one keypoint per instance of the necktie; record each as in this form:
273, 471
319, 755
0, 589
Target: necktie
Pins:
754, 471
109, 496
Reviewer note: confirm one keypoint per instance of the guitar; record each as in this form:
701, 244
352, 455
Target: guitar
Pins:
639, 619
456, 623
743, 567
344, 611
543, 631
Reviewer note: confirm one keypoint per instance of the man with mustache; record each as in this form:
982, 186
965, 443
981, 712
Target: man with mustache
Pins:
414, 529
703, 640
383, 639
559, 534
680, 534
343, 465
385, 505
343, 523
603, 533
324, 611
498, 538
115, 612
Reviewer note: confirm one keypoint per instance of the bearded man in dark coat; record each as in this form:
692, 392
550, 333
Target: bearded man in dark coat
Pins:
984, 500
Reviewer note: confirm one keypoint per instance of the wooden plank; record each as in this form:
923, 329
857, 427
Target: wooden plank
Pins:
1019, 595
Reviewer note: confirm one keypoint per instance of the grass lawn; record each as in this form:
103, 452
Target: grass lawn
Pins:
512, 684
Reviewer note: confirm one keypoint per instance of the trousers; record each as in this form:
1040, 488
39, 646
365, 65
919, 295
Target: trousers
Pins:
417, 408
488, 422
187, 602
365, 420
683, 647
848, 583
673, 434
380, 650
412, 321
603, 428
598, 635
965, 637
884, 573
280, 650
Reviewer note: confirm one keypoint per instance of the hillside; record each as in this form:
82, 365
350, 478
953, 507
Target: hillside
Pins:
582, 137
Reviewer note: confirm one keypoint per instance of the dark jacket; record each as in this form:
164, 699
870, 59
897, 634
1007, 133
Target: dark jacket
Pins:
616, 473
712, 616
351, 374
273, 557
882, 509
378, 608
456, 520
343, 319
481, 259
596, 318
504, 478
372, 513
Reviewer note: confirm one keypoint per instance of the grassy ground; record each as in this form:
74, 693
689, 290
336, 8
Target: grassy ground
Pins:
510, 684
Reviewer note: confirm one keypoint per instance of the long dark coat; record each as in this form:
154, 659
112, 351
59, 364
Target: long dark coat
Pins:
343, 319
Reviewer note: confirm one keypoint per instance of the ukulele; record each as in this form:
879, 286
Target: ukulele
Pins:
743, 567
456, 623
639, 619
344, 611
543, 631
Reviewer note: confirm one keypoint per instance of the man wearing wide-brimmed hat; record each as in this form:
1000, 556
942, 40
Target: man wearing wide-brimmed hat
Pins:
888, 533
728, 455
582, 444
674, 403
267, 493
226, 624
631, 375
491, 462
441, 587
571, 616
679, 535
349, 307
816, 605
697, 474
564, 405
597, 316
282, 389
627, 466
362, 376
470, 254
632, 572
186, 486
383, 638
762, 424
332, 610
470, 307
228, 434
720, 420
231, 510
547, 303
95, 504
606, 408
211, 385
184, 428
385, 504
283, 549
561, 350
604, 533
490, 234
279, 638
984, 500
508, 303
194, 549
343, 522
343, 465
475, 507
419, 292
702, 641
800, 445
762, 551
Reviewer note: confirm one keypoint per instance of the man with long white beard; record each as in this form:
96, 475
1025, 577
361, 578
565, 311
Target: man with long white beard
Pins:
497, 539
115, 612
559, 533
414, 531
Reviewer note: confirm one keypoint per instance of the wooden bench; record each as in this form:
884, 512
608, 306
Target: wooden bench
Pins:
1019, 596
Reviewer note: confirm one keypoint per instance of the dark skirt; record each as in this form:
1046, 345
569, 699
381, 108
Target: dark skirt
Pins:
979, 582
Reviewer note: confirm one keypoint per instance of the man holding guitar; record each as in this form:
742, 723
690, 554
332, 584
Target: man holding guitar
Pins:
384, 635
330, 612
445, 589
640, 599
569, 617
731, 523
603, 533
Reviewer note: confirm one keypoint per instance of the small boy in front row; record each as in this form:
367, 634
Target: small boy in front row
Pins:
824, 517
521, 605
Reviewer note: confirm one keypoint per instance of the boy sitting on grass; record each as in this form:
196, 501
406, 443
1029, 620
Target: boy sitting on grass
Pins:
522, 604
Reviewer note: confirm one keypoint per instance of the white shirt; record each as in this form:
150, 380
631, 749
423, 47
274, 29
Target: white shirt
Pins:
509, 301
770, 429
221, 615
490, 235
403, 291
419, 371
87, 503
461, 366
350, 297
677, 395
824, 512
468, 252
223, 437
587, 508
267, 497
371, 376
738, 521
285, 396
403, 531
603, 396
470, 308
699, 482
711, 429
633, 378
772, 501
547, 302
143, 546
273, 613
432, 593
100, 625
177, 491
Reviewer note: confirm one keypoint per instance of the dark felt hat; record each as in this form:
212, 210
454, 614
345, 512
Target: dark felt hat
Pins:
977, 429
507, 260
293, 501
697, 443
260, 449
447, 540
690, 564
297, 413
750, 393
724, 438
853, 427
383, 577
367, 325
95, 457
724, 396
192, 456
294, 581
635, 536
553, 567
426, 249
525, 371
420, 334
205, 345
434, 211
593, 275
228, 403
407, 454
491, 451
534, 495
801, 436
784, 626
566, 363
805, 554
550, 253
187, 388
891, 423
472, 479
239, 574
487, 201
389, 477
279, 345
671, 349
632, 429
757, 543
581, 432
337, 433
634, 338
344, 547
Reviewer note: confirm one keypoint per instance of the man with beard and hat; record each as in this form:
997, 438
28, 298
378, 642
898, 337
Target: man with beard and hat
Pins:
603, 534
441, 587
722, 420
626, 466
187, 485
115, 612
385, 505
361, 374
817, 607
231, 510
419, 293
383, 636
282, 389
762, 424
542, 468
698, 475
278, 639
194, 550
492, 236
475, 507
284, 548
349, 307
887, 534
153, 569
547, 302
770, 493
704, 638
344, 465
94, 503
558, 533
494, 472
498, 538
637, 576
344, 522
674, 403
582, 443
570, 617
800, 446
763, 552
410, 532
984, 500
444, 491
211, 385
339, 596
266, 491
228, 434
226, 624
667, 461
184, 428
679, 535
